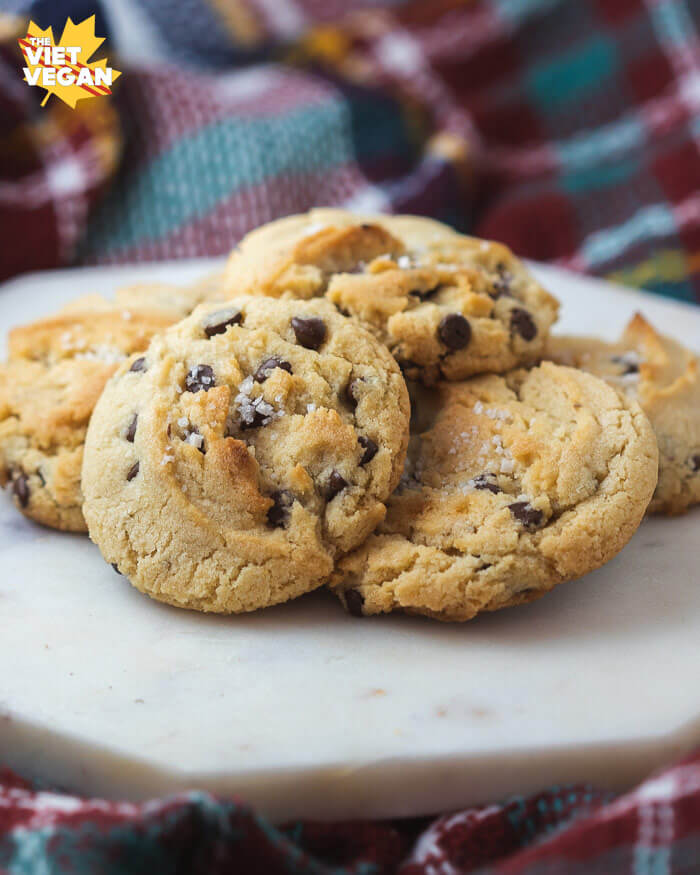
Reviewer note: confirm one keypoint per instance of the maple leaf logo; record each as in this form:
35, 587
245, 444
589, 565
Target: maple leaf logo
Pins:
63, 68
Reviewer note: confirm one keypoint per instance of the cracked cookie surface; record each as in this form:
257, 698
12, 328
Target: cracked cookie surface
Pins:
446, 305
55, 372
513, 484
228, 466
662, 376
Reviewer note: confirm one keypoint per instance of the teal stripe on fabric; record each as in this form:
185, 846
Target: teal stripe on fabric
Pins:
652, 861
681, 290
595, 178
672, 22
514, 11
593, 147
30, 852
573, 74
223, 157
653, 221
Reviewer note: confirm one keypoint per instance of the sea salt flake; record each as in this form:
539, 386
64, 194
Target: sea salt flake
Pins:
495, 413
631, 357
629, 379
102, 353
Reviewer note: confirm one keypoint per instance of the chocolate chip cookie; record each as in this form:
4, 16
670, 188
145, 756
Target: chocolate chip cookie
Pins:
228, 466
179, 300
446, 305
663, 376
55, 373
513, 484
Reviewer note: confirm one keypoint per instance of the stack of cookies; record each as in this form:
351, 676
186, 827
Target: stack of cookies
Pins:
369, 403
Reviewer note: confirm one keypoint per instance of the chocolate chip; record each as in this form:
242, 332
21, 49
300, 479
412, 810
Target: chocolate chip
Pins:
138, 364
131, 430
310, 333
218, 322
522, 322
630, 367
695, 462
455, 332
267, 367
115, 567
370, 449
194, 430
200, 378
259, 418
20, 488
526, 514
133, 471
354, 602
351, 393
278, 513
501, 286
486, 481
424, 295
336, 483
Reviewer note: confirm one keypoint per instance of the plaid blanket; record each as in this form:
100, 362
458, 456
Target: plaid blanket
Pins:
570, 131
654, 830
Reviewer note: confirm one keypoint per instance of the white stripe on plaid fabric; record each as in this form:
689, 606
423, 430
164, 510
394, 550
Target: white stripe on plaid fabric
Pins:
677, 37
284, 18
653, 222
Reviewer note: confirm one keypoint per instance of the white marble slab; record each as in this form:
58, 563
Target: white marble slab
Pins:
307, 712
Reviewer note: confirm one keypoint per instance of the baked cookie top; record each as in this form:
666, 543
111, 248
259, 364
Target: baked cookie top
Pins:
106, 334
179, 300
446, 305
663, 376
227, 467
55, 373
513, 484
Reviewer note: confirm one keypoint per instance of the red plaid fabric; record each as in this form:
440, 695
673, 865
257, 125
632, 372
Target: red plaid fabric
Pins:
569, 131
653, 830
